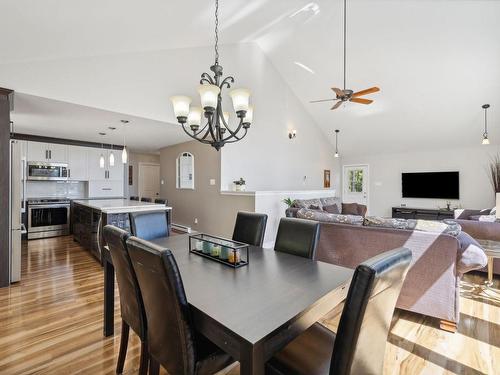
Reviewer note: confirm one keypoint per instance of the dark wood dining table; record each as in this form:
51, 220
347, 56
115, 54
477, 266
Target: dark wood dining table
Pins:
251, 312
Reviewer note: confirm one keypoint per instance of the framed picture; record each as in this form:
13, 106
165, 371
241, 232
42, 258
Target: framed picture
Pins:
130, 175
326, 178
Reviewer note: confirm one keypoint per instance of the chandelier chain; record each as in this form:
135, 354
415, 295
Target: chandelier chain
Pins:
216, 32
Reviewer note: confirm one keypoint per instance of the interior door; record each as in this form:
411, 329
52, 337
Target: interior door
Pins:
355, 184
149, 180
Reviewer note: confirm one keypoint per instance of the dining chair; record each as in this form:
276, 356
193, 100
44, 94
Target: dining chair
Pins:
250, 228
149, 225
359, 345
134, 198
161, 201
145, 199
297, 237
173, 340
132, 307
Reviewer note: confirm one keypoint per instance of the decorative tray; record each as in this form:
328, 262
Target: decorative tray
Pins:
231, 253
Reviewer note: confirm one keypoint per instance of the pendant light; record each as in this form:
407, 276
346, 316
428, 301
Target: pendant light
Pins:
102, 161
486, 141
337, 143
111, 155
124, 151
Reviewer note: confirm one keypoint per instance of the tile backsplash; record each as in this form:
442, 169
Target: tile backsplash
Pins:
71, 189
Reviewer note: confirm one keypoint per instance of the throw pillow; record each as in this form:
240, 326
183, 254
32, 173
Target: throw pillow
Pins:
493, 211
306, 203
350, 208
325, 217
313, 207
332, 209
472, 254
329, 201
377, 221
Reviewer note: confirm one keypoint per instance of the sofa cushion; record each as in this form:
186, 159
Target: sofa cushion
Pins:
307, 203
325, 217
377, 221
472, 255
350, 208
332, 209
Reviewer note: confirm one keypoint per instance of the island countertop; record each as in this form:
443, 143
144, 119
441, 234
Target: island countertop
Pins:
116, 206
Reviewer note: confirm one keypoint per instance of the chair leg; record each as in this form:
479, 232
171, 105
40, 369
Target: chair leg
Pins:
154, 367
143, 369
123, 347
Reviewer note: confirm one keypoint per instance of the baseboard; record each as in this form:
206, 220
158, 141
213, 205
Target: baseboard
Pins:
181, 228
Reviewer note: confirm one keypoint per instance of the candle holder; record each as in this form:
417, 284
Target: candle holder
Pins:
231, 253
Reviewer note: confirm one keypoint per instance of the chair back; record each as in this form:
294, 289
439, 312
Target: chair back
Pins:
297, 237
132, 307
250, 228
145, 199
161, 201
149, 225
365, 321
134, 198
171, 335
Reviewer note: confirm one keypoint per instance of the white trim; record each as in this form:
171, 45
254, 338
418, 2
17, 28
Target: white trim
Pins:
177, 185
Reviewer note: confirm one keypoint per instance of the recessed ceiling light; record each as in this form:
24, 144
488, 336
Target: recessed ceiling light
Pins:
111, 128
102, 133
124, 121
305, 67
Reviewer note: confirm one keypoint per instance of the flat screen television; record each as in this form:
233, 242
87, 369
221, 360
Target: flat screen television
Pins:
436, 185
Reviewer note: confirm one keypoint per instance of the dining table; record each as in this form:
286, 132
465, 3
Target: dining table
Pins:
251, 312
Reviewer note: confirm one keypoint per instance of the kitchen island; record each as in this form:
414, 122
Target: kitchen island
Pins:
89, 216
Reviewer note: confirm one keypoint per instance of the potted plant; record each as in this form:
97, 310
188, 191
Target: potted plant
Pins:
495, 177
240, 184
289, 202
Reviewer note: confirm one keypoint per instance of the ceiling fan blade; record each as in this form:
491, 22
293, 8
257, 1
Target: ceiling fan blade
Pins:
338, 91
338, 104
323, 100
361, 100
365, 92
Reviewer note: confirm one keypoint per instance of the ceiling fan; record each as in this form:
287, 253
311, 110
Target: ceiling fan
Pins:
347, 95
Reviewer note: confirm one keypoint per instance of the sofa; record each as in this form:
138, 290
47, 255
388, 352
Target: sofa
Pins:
439, 259
332, 205
481, 225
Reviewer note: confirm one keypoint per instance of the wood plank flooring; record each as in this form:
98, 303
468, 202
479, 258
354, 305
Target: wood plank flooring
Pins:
51, 323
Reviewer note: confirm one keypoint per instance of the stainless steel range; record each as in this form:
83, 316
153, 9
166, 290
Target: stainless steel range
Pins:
48, 217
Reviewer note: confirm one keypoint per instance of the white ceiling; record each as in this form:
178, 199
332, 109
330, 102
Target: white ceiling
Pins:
436, 62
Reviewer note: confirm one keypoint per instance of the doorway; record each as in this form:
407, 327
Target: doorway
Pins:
149, 180
356, 182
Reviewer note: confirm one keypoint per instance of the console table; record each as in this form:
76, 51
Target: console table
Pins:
421, 213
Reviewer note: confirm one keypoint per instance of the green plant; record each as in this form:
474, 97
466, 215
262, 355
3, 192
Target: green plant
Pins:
289, 201
241, 181
494, 171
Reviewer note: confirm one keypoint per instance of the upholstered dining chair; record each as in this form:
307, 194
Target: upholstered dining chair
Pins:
132, 307
297, 237
250, 228
161, 201
173, 340
149, 225
134, 198
145, 199
359, 345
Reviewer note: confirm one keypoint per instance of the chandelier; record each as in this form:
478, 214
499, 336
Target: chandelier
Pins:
216, 131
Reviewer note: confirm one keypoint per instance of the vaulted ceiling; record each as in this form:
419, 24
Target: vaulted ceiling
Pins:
436, 62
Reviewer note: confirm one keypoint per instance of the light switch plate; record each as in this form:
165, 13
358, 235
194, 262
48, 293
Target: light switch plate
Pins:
212, 181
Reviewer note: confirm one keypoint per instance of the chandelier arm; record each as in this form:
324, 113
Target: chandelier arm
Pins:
194, 136
211, 126
205, 77
236, 139
227, 82
235, 133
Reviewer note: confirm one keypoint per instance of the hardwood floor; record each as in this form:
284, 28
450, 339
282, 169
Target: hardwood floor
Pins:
51, 323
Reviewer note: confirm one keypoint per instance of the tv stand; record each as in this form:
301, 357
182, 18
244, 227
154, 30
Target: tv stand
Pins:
422, 213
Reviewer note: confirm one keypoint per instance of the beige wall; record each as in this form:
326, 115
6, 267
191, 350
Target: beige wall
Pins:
215, 212
134, 159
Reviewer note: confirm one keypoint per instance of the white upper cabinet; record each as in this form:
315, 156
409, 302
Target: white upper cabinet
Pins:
117, 171
78, 163
94, 171
47, 152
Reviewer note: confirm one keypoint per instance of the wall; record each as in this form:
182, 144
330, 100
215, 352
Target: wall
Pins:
215, 212
134, 159
386, 169
267, 159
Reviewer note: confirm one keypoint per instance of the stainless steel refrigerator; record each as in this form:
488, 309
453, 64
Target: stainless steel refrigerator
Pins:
17, 206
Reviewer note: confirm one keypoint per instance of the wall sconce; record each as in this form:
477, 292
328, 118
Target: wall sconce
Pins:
292, 134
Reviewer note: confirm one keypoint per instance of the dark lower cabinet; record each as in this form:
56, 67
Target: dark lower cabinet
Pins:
421, 213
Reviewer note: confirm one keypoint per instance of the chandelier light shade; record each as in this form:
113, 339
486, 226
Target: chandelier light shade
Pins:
486, 140
210, 124
337, 131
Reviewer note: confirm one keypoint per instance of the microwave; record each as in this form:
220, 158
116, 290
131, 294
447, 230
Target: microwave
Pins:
47, 171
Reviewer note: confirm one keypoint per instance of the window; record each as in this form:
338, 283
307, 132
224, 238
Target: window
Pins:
355, 178
185, 171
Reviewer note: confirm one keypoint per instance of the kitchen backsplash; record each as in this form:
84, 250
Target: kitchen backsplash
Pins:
71, 189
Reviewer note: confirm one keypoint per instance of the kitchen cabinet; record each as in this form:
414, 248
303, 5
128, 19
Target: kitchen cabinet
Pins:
47, 152
117, 171
78, 163
94, 171
105, 188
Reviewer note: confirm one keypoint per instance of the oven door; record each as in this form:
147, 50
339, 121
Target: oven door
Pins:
47, 171
48, 217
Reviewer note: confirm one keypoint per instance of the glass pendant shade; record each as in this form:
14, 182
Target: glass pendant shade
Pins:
486, 141
249, 115
209, 95
194, 117
101, 161
336, 155
181, 105
112, 159
124, 155
241, 98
